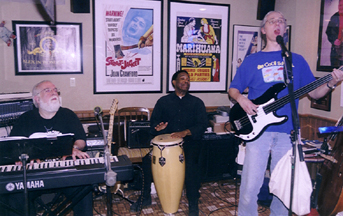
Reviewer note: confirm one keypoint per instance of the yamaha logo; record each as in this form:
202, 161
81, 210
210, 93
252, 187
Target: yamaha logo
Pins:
10, 187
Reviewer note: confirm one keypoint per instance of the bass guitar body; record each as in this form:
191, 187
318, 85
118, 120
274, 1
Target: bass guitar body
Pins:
250, 127
330, 197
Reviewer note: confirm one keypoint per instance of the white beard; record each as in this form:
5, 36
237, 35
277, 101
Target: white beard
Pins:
50, 106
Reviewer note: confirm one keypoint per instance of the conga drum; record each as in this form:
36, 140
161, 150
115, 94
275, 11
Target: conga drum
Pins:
168, 170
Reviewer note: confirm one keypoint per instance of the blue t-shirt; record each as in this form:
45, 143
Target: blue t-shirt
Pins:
262, 70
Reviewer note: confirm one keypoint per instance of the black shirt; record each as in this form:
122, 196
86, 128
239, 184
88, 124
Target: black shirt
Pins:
65, 121
188, 112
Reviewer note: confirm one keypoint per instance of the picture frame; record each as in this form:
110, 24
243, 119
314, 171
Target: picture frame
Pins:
329, 56
42, 48
127, 46
246, 40
323, 103
197, 43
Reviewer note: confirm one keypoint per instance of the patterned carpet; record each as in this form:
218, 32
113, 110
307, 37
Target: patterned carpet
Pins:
217, 199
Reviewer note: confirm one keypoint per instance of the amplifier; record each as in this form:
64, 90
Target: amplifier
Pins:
138, 135
11, 109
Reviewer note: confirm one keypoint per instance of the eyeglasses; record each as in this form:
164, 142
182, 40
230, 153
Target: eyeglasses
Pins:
48, 90
279, 21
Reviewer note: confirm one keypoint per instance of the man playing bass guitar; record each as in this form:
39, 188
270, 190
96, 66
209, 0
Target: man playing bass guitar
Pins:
259, 72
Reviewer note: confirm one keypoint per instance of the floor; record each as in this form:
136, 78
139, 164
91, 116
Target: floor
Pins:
217, 199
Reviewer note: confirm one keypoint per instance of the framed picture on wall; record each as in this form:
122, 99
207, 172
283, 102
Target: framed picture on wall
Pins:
246, 41
330, 44
41, 48
198, 36
127, 46
323, 103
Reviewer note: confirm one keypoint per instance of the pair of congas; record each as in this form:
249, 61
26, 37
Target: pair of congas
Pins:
168, 170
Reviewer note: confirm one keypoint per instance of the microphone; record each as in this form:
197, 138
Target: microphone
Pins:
111, 178
279, 40
97, 110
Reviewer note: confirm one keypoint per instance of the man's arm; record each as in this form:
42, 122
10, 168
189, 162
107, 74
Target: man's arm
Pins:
247, 105
201, 121
332, 29
321, 91
79, 145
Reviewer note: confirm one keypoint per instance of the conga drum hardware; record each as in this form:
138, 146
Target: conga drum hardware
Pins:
169, 172
162, 160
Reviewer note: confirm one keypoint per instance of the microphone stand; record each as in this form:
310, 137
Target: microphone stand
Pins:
295, 133
110, 176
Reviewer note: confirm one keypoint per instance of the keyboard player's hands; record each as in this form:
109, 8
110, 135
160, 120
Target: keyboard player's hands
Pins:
77, 154
19, 163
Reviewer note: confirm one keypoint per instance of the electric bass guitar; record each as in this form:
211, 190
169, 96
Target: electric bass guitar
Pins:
250, 127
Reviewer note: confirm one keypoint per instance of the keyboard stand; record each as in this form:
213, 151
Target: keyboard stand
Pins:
23, 158
76, 197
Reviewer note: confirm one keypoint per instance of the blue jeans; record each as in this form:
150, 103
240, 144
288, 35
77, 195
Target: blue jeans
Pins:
254, 167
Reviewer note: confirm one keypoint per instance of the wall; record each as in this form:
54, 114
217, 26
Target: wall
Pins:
302, 15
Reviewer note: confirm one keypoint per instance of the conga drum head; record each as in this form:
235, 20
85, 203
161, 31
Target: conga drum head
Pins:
166, 140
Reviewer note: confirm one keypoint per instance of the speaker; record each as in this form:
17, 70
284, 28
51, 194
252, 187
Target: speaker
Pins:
80, 6
264, 6
217, 159
138, 134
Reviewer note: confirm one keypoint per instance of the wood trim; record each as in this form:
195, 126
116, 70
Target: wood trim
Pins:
309, 123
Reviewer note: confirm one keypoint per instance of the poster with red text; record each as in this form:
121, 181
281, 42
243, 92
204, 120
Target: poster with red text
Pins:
127, 46
198, 44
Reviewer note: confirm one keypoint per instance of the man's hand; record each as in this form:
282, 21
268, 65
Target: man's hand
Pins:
247, 105
181, 134
77, 153
19, 163
337, 76
337, 42
161, 126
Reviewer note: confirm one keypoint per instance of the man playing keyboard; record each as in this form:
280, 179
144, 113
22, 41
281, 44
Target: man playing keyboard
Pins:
49, 116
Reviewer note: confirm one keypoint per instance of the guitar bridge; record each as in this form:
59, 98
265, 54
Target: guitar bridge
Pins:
238, 124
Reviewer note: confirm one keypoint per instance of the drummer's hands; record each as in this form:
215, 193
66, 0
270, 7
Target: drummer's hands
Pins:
181, 134
161, 126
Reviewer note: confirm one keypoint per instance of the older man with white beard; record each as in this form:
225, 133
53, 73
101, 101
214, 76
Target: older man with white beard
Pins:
48, 115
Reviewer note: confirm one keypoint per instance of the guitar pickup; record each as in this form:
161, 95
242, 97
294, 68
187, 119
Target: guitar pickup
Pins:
253, 118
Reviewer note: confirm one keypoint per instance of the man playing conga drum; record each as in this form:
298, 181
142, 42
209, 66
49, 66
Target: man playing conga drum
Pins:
181, 115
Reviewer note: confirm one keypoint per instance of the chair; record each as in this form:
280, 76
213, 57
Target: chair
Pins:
130, 114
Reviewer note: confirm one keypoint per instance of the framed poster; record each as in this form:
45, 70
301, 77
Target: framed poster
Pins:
323, 103
127, 46
246, 41
330, 44
41, 48
198, 35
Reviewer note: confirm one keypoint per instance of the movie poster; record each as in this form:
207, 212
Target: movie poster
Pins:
47, 49
127, 46
198, 44
198, 48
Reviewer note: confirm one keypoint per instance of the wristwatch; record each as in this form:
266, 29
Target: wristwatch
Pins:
330, 87
76, 147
